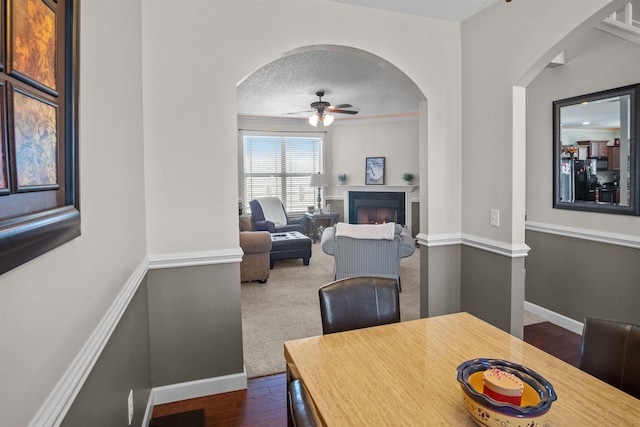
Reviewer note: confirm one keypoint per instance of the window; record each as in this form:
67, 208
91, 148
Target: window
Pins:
38, 130
280, 166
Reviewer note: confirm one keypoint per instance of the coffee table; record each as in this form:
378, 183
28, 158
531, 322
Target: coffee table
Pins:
290, 245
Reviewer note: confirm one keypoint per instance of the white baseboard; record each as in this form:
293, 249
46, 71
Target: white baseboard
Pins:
555, 318
193, 389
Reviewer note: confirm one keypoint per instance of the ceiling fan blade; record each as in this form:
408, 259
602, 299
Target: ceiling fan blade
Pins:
344, 111
298, 112
340, 106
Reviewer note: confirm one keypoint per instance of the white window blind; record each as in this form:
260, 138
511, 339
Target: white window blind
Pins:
281, 166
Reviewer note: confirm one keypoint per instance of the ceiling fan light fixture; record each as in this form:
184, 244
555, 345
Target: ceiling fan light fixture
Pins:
322, 108
328, 119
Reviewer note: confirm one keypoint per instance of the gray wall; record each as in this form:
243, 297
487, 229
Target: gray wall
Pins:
580, 278
195, 323
123, 365
487, 285
440, 293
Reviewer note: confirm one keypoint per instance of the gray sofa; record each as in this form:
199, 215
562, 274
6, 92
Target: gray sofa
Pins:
367, 257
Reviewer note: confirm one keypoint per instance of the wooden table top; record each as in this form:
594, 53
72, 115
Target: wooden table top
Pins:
404, 374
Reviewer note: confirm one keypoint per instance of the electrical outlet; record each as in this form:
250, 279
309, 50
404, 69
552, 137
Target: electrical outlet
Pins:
130, 406
495, 217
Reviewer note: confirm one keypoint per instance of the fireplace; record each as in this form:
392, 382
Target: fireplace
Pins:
367, 207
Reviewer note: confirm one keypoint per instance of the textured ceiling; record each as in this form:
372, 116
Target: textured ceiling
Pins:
285, 88
450, 10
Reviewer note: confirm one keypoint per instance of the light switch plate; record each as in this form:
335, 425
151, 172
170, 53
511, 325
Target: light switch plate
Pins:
495, 218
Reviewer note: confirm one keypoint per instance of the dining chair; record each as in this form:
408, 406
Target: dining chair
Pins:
358, 302
301, 410
610, 351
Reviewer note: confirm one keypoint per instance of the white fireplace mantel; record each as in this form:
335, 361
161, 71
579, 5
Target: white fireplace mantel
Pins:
396, 188
407, 189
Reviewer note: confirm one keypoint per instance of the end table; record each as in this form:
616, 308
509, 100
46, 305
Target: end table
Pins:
331, 218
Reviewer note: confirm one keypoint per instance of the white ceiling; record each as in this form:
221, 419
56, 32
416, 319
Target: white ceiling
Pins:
600, 114
449, 10
288, 85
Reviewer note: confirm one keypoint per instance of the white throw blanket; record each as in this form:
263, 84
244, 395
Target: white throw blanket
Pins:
367, 231
272, 210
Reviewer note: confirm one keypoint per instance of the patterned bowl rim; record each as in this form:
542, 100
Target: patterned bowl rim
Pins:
538, 382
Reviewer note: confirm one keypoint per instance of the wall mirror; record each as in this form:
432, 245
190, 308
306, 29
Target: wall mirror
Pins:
595, 152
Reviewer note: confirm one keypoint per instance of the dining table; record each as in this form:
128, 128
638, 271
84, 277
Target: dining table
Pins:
404, 374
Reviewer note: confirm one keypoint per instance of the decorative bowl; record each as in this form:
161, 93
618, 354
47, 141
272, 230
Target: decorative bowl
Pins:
537, 397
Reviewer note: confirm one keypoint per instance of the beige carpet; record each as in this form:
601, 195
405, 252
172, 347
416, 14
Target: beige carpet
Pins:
287, 308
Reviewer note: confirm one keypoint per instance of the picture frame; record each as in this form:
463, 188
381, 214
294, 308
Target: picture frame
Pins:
4, 176
35, 135
374, 171
34, 63
40, 198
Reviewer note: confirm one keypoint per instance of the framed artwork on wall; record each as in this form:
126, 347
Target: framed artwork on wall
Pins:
35, 130
34, 44
39, 179
4, 182
374, 171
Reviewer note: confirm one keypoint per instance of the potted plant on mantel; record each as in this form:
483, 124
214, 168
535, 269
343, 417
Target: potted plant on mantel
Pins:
408, 177
342, 178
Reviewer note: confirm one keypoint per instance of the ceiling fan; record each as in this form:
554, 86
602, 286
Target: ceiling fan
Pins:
322, 109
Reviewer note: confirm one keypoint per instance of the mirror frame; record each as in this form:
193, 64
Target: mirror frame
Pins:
634, 152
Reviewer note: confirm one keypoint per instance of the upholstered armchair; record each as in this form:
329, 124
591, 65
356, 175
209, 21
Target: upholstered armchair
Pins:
256, 246
268, 214
367, 250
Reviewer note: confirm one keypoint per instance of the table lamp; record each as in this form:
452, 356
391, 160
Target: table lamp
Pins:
319, 180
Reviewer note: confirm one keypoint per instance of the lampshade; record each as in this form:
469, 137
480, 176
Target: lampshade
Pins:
319, 180
326, 119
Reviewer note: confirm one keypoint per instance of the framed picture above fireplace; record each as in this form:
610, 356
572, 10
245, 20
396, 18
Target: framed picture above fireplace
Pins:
374, 171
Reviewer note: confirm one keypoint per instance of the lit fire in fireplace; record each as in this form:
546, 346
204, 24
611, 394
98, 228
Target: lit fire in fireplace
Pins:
376, 215
376, 207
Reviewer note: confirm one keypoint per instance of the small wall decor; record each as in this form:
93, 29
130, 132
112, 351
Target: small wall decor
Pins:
36, 142
374, 173
34, 44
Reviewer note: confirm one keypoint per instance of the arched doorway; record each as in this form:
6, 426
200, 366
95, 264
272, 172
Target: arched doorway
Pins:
342, 72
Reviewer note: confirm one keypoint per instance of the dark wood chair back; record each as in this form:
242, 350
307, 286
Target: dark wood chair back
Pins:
358, 302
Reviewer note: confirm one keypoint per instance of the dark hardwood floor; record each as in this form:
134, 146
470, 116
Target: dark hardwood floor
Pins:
264, 403
563, 344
